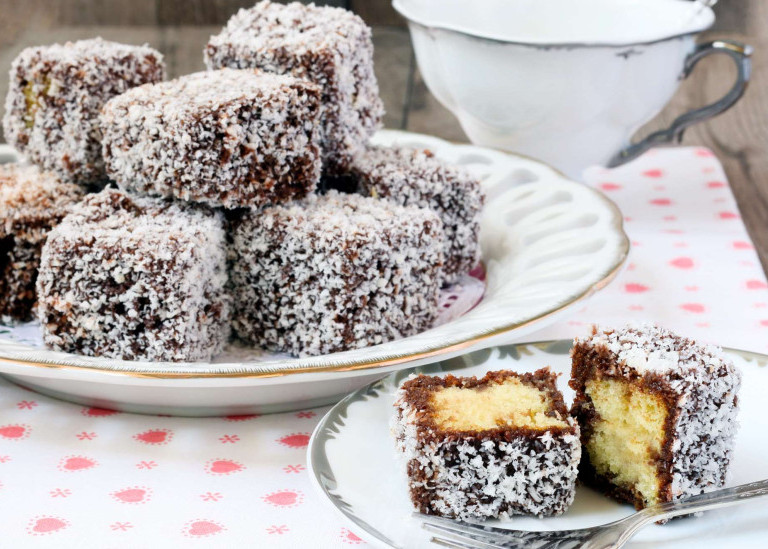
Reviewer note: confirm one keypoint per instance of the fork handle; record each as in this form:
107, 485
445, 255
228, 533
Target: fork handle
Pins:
708, 500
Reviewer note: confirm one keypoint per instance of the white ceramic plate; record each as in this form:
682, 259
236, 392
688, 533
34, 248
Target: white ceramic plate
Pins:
547, 243
354, 466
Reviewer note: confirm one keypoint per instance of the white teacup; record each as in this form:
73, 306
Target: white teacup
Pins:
565, 81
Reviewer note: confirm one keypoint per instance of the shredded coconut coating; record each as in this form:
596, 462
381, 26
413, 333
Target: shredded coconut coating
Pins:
334, 272
700, 382
135, 278
416, 177
32, 202
479, 475
232, 138
56, 94
331, 47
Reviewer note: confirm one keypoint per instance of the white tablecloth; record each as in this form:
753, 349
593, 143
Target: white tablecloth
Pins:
80, 477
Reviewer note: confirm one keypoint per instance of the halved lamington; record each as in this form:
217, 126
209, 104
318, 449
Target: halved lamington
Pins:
331, 47
416, 177
55, 97
485, 448
135, 278
232, 138
334, 272
32, 202
657, 413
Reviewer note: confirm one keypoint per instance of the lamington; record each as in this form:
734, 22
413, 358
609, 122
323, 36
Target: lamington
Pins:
411, 176
32, 202
331, 47
334, 272
485, 448
55, 96
135, 278
231, 138
657, 413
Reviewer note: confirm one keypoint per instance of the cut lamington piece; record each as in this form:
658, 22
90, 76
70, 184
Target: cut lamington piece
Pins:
56, 94
334, 272
331, 47
657, 413
416, 177
32, 202
135, 278
485, 448
225, 138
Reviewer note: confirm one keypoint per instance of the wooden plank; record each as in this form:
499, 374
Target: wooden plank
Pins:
392, 64
377, 12
210, 12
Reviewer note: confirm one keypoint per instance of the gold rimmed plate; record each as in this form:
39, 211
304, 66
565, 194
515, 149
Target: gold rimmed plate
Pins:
548, 243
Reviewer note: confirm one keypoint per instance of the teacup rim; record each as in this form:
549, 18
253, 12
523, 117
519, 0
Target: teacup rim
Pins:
707, 24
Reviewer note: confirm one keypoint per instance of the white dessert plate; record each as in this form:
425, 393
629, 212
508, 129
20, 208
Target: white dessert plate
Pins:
547, 243
354, 466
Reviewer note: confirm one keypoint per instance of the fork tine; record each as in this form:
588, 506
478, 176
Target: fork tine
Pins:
467, 529
455, 544
486, 542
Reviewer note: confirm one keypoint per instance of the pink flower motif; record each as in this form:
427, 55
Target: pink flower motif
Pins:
60, 493
98, 412
154, 437
71, 464
693, 307
86, 436
223, 467
121, 526
742, 245
146, 465
46, 524
682, 263
229, 438
274, 529
26, 404
716, 185
5, 459
348, 537
703, 153
610, 186
756, 285
293, 468
15, 432
306, 414
295, 440
655, 173
728, 215
284, 498
635, 288
134, 495
201, 528
661, 202
241, 417
211, 496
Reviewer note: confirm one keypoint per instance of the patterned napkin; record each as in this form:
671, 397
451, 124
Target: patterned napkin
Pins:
78, 477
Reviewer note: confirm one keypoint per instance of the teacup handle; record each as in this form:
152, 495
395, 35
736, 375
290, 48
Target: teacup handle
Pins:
740, 53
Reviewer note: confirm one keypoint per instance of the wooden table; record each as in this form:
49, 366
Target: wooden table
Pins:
739, 137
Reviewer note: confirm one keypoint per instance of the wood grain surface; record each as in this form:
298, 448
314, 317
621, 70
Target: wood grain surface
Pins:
180, 28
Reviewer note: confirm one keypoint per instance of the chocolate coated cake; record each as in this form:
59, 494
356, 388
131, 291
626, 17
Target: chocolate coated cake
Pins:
334, 272
485, 448
331, 47
232, 138
56, 94
416, 177
135, 278
657, 413
32, 202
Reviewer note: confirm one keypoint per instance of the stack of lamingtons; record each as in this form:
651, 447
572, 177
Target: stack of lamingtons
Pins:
154, 217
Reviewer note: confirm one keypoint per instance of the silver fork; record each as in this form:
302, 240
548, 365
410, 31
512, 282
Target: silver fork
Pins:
471, 535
